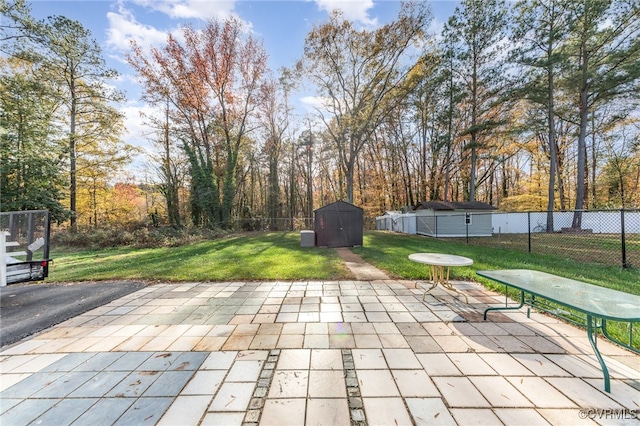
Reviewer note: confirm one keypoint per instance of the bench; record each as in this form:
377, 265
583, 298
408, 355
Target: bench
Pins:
599, 304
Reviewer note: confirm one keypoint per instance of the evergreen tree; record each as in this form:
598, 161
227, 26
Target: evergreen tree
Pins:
477, 32
30, 171
540, 31
603, 66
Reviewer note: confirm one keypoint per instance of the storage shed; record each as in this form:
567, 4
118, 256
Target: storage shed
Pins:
454, 219
397, 221
339, 224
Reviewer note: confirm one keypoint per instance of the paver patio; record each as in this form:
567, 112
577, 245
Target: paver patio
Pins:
311, 352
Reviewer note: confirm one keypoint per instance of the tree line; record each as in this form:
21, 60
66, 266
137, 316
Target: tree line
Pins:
526, 106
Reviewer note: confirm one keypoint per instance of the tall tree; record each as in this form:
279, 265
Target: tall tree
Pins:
477, 30
74, 61
274, 119
168, 162
362, 75
169, 172
71, 62
31, 172
450, 94
540, 31
603, 66
213, 79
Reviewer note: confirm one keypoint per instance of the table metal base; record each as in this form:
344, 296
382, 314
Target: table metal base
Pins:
592, 334
437, 276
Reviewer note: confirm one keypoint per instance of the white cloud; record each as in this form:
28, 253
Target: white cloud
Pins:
138, 133
313, 103
353, 10
191, 9
436, 27
124, 27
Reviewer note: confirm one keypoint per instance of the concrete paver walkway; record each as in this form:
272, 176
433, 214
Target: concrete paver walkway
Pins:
312, 352
362, 270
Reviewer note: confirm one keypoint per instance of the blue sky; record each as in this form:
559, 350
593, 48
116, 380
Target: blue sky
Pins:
282, 26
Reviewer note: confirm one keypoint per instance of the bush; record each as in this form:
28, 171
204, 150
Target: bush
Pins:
141, 237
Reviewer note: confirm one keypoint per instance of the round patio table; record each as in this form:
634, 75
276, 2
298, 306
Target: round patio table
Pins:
437, 263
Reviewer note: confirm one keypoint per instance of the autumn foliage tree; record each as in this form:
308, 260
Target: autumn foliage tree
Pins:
362, 76
213, 80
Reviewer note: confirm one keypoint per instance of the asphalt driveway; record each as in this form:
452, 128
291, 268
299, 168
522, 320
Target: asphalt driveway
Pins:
26, 309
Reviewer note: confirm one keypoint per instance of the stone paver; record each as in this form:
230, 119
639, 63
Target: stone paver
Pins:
310, 352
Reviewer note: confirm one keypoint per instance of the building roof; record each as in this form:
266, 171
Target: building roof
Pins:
453, 205
338, 206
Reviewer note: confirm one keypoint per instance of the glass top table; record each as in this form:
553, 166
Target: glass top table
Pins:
588, 298
437, 273
594, 301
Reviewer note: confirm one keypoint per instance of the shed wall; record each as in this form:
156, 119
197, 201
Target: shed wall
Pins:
339, 225
452, 224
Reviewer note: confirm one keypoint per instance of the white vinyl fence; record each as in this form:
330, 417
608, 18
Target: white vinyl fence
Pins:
598, 222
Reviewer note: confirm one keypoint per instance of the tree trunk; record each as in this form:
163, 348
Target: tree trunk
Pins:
72, 158
349, 178
350, 165
580, 181
594, 162
273, 199
472, 176
171, 180
552, 148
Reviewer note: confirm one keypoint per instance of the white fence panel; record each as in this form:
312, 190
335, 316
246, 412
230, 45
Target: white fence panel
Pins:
404, 223
599, 222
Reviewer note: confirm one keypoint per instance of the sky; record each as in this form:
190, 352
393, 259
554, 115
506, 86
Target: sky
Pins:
281, 25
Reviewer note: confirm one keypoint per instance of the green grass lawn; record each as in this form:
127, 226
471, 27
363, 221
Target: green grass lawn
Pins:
278, 256
268, 256
390, 252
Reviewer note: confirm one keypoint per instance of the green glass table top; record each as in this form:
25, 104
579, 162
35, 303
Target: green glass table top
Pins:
592, 299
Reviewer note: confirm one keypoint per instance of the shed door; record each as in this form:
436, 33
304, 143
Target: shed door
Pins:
343, 229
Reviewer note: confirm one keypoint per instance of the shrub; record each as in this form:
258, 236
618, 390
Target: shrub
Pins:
142, 237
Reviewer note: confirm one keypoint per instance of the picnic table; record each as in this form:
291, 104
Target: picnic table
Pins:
599, 304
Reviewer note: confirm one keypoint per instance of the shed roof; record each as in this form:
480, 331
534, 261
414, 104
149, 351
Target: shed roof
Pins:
339, 206
453, 205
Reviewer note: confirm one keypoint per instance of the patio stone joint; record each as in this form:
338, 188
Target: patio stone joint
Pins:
256, 404
356, 407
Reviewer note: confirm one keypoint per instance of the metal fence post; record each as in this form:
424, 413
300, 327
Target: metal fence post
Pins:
436, 225
467, 219
529, 230
623, 238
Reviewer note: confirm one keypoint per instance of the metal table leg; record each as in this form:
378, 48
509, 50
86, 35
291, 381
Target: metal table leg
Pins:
448, 286
506, 308
437, 276
592, 333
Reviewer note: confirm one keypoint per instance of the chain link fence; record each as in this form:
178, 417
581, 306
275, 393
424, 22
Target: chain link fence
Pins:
271, 224
607, 237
